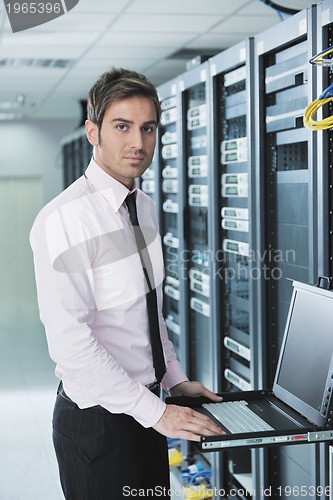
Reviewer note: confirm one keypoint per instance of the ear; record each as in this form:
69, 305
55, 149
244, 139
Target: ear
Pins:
92, 132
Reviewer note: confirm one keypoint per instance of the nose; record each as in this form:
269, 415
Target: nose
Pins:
137, 139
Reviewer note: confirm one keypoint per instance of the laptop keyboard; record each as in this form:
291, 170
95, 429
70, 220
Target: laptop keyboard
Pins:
237, 417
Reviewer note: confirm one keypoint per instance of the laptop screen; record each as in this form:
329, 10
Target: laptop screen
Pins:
305, 364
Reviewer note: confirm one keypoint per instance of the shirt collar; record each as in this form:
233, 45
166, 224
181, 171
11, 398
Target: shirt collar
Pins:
112, 190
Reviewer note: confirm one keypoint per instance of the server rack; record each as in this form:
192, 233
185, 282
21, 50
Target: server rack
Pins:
170, 180
147, 182
233, 183
76, 155
194, 232
195, 99
287, 164
323, 76
194, 96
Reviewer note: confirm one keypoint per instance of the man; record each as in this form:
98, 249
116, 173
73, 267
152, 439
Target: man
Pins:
109, 424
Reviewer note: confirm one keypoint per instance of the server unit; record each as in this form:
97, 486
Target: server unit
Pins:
148, 183
183, 184
288, 203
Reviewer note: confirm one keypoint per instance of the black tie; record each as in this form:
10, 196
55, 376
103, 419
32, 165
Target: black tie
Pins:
151, 299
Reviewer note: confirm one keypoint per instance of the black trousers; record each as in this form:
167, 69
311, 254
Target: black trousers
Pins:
105, 456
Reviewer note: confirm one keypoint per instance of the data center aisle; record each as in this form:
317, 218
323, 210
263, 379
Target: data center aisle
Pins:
28, 468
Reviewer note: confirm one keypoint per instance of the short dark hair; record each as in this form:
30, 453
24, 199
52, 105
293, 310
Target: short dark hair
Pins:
114, 85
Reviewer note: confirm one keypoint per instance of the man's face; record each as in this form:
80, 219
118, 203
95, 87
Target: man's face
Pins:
125, 146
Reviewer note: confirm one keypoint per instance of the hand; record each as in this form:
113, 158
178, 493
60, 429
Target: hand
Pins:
194, 389
185, 423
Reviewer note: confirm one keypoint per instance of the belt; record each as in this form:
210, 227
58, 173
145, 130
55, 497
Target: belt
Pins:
154, 388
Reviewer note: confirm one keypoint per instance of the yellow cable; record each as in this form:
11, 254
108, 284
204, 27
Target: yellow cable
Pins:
319, 58
311, 110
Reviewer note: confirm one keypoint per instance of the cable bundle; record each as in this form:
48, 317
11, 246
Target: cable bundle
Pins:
319, 58
327, 96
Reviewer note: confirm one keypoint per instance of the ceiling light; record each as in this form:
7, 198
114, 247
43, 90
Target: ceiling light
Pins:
20, 99
36, 63
10, 116
9, 105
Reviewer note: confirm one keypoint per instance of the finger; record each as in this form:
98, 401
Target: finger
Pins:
203, 426
216, 397
211, 395
211, 427
208, 422
194, 428
202, 431
190, 436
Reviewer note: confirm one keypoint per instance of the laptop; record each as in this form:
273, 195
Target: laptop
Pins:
299, 407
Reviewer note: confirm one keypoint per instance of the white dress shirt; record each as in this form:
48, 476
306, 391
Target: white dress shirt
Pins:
91, 295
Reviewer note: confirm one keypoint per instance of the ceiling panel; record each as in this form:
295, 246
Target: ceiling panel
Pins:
114, 6
186, 6
244, 25
143, 39
182, 23
73, 22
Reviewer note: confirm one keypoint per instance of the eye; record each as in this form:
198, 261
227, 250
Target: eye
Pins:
149, 129
122, 127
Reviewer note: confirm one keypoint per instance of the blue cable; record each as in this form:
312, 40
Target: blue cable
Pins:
326, 51
327, 92
192, 477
